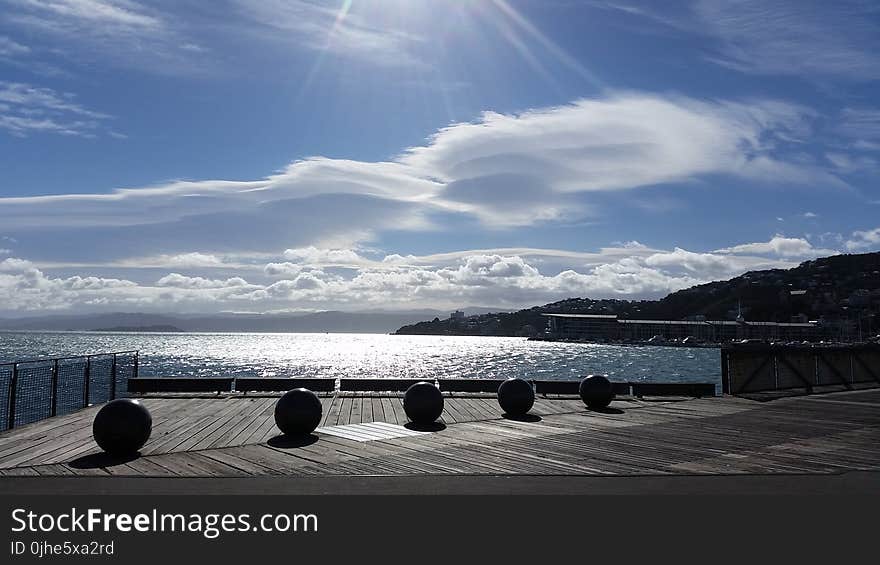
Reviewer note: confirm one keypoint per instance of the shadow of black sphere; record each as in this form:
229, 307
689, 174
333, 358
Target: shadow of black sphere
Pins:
102, 459
532, 418
605, 410
429, 427
292, 441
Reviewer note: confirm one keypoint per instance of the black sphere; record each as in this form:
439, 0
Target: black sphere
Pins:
298, 412
122, 426
516, 396
596, 391
423, 403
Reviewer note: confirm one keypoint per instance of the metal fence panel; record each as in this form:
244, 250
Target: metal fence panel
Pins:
99, 379
71, 380
5, 380
34, 390
33, 393
126, 368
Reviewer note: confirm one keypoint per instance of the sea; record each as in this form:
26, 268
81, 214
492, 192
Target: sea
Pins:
371, 356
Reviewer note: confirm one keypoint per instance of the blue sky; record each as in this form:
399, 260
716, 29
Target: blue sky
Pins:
268, 155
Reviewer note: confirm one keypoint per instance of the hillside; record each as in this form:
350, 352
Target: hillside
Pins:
842, 289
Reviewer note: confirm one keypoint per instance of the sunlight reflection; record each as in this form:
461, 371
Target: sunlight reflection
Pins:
370, 355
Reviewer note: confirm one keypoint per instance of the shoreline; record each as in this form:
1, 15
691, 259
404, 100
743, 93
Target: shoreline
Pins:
631, 343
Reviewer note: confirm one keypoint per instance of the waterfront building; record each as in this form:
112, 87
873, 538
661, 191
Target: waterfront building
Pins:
605, 327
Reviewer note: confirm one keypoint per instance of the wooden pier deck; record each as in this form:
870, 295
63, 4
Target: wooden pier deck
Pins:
235, 436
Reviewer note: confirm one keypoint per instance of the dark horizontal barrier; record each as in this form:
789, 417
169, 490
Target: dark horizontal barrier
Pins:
278, 384
377, 385
676, 389
180, 384
572, 387
556, 387
469, 385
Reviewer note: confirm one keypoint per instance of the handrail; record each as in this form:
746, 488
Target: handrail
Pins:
65, 357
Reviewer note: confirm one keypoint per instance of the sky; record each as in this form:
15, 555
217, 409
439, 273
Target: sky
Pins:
285, 156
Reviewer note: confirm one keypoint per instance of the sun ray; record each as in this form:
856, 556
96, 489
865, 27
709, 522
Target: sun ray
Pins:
561, 55
322, 52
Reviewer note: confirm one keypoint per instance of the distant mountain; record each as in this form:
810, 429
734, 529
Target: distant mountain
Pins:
164, 328
841, 290
333, 322
87, 322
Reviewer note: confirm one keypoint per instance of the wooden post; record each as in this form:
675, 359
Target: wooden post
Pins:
725, 371
54, 409
13, 384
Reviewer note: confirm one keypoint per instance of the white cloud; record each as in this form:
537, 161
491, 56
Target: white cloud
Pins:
183, 281
24, 287
839, 39
183, 260
105, 12
313, 256
710, 266
861, 126
334, 28
438, 281
780, 246
505, 170
846, 163
11, 48
123, 33
519, 169
861, 123
284, 269
863, 240
775, 37
26, 109
92, 283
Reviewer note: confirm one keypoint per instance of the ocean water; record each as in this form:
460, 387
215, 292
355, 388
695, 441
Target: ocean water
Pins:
371, 355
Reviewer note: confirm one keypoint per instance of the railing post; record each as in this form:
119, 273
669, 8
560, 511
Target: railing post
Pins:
13, 384
86, 378
113, 378
54, 388
134, 372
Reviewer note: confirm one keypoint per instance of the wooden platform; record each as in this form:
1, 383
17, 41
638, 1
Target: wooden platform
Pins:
236, 436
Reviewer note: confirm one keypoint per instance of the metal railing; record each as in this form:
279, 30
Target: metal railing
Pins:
42, 388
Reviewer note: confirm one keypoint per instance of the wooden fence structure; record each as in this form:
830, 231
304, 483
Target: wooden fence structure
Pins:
747, 368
